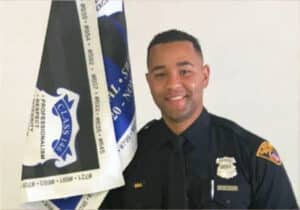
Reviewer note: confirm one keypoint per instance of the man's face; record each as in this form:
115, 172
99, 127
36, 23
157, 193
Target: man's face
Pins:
177, 77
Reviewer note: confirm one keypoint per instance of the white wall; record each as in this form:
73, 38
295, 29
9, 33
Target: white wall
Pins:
23, 25
252, 47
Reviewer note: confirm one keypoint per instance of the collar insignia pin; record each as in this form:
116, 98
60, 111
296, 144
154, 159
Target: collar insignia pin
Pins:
138, 185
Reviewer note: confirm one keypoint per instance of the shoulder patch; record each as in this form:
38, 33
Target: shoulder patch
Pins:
268, 152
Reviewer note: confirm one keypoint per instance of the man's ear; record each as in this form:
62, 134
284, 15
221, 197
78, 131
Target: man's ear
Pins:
206, 73
147, 77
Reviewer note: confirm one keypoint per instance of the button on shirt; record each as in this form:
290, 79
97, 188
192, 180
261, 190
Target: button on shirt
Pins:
195, 143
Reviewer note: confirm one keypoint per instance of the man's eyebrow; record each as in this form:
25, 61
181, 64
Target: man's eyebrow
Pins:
181, 63
184, 63
155, 68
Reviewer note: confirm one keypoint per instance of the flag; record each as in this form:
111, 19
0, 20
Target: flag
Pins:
82, 131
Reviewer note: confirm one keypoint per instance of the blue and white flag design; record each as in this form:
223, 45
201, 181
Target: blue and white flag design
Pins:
82, 131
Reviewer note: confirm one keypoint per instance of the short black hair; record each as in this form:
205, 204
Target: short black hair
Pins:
173, 35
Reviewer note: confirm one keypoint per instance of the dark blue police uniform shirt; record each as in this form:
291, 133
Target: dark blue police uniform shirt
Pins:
213, 164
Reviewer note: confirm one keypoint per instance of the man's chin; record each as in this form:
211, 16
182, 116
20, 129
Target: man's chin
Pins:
176, 116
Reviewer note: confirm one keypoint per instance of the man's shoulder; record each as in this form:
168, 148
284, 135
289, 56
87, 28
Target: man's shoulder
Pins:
231, 134
148, 135
149, 127
230, 128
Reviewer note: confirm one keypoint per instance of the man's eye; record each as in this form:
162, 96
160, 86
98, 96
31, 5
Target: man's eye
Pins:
185, 72
160, 75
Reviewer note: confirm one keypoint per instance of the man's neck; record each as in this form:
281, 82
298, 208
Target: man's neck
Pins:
178, 127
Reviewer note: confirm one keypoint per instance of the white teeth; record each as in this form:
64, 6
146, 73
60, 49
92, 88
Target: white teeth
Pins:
176, 98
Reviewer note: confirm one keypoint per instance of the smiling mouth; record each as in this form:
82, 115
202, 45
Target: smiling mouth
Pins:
176, 98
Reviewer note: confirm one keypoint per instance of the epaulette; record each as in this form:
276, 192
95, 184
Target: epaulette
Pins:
148, 125
228, 124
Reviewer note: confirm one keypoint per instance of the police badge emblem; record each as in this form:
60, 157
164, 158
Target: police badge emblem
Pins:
226, 168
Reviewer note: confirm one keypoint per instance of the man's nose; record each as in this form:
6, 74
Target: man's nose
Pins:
173, 81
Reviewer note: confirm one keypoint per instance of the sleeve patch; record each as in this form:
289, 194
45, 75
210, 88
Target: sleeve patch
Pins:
268, 152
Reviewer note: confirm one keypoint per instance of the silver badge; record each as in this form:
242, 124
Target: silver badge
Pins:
226, 168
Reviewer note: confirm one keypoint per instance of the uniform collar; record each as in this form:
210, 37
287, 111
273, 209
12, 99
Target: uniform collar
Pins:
198, 130
166, 135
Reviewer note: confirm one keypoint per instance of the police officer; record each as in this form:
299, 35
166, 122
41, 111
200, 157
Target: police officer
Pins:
191, 158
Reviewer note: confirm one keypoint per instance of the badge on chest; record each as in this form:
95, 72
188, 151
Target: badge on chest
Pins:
226, 168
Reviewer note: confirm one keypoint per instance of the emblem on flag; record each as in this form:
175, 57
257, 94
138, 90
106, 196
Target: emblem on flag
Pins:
65, 145
54, 121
